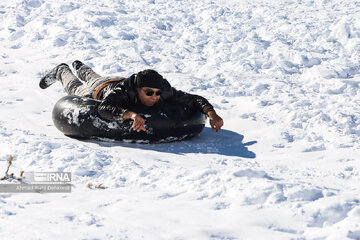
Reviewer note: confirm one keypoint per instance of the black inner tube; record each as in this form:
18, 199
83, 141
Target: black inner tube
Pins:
78, 117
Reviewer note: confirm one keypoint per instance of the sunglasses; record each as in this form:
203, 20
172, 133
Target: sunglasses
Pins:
149, 92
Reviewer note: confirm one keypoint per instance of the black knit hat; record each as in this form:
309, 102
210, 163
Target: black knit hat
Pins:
149, 78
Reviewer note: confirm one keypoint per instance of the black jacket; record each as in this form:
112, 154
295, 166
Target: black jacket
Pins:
121, 96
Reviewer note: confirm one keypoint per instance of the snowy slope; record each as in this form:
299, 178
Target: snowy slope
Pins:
284, 75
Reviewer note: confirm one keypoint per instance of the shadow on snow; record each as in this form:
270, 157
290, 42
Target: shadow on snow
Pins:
225, 142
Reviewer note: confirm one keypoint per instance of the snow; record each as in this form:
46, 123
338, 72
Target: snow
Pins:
284, 75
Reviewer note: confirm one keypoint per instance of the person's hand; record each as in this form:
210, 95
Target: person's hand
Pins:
139, 122
216, 121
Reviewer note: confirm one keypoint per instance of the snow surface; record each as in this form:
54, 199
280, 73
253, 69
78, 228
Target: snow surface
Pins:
283, 74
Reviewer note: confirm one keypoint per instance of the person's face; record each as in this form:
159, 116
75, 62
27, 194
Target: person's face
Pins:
149, 96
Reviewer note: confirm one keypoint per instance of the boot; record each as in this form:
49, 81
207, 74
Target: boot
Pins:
50, 77
77, 64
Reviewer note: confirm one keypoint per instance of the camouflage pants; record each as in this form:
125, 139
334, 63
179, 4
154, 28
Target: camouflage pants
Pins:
85, 84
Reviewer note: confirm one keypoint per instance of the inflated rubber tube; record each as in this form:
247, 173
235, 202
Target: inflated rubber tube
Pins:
78, 117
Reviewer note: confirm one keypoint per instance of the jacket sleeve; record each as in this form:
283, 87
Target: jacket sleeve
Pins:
114, 105
191, 100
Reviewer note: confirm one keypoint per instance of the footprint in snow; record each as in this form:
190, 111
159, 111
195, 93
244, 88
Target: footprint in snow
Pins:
253, 174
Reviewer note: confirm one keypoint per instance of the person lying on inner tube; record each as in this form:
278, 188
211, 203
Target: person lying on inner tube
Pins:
117, 94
